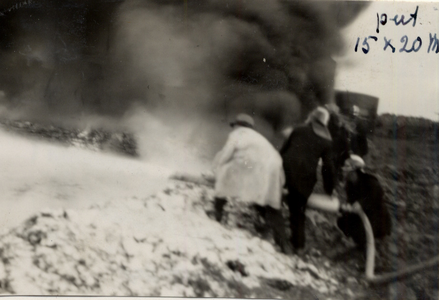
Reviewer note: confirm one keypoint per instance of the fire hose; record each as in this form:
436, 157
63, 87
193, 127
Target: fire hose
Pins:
329, 204
332, 205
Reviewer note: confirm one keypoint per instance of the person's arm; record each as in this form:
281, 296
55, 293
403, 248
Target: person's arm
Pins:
286, 144
225, 154
352, 187
328, 172
375, 195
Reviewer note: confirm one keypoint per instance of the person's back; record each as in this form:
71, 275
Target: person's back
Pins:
253, 171
301, 154
249, 169
252, 146
366, 190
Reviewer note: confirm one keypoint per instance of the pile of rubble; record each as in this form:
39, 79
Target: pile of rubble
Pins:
92, 139
163, 245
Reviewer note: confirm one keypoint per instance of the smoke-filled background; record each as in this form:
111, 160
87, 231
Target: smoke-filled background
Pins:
173, 71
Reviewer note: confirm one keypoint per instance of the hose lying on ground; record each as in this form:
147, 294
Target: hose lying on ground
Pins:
370, 258
331, 204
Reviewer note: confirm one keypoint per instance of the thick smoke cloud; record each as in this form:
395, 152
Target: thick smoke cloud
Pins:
174, 60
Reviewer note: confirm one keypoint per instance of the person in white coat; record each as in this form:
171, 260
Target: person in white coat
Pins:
249, 169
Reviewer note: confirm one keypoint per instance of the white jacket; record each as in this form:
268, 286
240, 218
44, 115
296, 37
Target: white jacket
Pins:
250, 169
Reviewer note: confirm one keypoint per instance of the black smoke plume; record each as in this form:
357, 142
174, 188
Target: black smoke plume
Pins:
193, 61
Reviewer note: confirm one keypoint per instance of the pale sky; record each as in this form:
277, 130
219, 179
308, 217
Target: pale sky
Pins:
405, 83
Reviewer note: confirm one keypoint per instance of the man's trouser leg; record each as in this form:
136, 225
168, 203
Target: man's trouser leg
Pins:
275, 221
297, 205
219, 204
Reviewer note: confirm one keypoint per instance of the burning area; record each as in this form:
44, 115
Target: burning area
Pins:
188, 65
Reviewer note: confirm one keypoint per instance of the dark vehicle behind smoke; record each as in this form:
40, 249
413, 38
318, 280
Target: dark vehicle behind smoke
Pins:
367, 105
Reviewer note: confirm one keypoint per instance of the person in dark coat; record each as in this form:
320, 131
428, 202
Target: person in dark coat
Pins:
365, 189
359, 142
340, 140
303, 149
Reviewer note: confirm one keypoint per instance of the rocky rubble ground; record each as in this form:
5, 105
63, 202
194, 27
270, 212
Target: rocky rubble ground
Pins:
167, 245
96, 139
163, 245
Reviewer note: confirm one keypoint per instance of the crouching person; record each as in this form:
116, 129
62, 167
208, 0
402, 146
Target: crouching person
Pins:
365, 189
249, 169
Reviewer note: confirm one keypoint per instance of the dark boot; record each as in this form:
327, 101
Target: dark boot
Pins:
261, 226
219, 204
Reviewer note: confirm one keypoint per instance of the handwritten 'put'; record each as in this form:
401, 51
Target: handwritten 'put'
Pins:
383, 19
